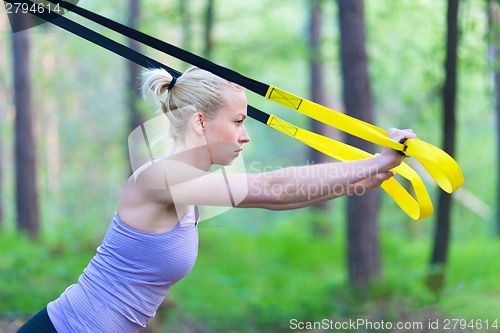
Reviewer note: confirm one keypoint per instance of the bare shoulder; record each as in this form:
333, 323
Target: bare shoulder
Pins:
163, 173
141, 209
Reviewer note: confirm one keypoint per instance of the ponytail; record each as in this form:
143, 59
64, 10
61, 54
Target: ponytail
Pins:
196, 90
155, 83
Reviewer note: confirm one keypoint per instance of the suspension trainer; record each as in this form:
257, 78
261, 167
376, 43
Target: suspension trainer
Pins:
440, 166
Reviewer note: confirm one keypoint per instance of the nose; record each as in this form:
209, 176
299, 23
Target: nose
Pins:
244, 137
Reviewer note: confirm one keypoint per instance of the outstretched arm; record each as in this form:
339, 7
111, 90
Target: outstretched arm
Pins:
354, 189
297, 187
286, 188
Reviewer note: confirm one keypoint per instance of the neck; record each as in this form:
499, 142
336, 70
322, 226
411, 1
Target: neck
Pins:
199, 157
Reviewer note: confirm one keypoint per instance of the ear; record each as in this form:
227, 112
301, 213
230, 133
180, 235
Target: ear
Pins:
198, 122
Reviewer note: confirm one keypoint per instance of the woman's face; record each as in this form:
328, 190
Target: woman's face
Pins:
225, 134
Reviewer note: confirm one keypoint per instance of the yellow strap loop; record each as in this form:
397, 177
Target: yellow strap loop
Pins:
415, 208
441, 166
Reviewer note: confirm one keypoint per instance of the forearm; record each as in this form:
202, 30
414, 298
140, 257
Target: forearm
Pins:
359, 188
305, 185
298, 205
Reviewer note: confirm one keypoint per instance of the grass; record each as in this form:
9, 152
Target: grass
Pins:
257, 281
33, 274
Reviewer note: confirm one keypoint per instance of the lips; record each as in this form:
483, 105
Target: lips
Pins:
237, 152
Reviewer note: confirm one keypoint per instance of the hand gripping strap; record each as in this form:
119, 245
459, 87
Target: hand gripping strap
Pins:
417, 208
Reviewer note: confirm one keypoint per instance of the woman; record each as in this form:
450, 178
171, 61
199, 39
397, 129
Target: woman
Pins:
152, 241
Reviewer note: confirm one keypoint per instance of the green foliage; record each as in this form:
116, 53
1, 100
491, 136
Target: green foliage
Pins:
258, 281
35, 273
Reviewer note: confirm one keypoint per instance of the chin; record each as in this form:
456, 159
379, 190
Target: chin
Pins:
225, 161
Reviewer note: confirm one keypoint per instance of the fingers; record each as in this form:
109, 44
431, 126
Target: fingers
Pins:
401, 134
376, 180
372, 182
382, 177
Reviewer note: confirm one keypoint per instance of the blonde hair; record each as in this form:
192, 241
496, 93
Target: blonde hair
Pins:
196, 90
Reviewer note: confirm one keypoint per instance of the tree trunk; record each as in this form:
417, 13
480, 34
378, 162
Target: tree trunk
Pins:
3, 111
319, 223
442, 230
209, 22
25, 153
316, 69
186, 24
494, 56
363, 252
132, 89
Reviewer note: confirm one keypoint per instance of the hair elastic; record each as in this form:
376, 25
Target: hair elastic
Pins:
172, 83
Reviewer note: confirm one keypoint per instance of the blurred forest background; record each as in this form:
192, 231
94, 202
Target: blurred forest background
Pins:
68, 106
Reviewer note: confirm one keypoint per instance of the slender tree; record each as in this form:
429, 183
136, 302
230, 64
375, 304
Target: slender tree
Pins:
132, 88
494, 56
2, 157
3, 110
316, 67
186, 24
208, 31
443, 224
363, 253
319, 227
25, 152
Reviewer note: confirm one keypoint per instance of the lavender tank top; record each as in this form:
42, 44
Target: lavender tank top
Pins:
128, 278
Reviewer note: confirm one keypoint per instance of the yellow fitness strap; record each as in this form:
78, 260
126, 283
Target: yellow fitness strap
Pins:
441, 166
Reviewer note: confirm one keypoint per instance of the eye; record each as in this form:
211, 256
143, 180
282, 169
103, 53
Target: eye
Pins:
239, 122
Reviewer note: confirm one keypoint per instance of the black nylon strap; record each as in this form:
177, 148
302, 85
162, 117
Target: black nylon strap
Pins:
257, 114
118, 48
97, 38
186, 56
